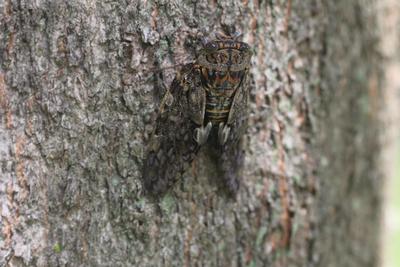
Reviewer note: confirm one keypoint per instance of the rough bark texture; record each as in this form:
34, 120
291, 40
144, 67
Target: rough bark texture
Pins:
78, 94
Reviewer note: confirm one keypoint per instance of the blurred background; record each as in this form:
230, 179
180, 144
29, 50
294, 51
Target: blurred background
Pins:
391, 225
390, 41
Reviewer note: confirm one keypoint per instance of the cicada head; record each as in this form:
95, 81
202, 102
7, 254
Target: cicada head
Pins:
224, 62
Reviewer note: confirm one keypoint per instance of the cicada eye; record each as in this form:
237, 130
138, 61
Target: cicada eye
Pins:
211, 46
244, 47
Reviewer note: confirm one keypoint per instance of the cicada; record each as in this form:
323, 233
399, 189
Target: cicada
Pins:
207, 103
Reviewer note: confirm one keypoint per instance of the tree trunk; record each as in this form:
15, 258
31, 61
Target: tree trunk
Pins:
79, 86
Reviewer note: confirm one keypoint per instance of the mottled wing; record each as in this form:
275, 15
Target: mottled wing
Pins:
232, 152
172, 147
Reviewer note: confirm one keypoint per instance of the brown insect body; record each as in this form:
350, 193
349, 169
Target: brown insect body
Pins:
223, 65
207, 97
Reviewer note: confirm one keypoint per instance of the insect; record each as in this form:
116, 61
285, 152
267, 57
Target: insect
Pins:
206, 104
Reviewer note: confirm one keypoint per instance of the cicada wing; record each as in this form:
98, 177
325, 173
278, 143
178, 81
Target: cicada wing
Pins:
232, 152
239, 107
172, 147
169, 158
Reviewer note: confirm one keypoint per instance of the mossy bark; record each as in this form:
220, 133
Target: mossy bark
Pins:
79, 86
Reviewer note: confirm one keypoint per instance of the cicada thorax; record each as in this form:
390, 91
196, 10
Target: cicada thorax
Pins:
220, 87
222, 68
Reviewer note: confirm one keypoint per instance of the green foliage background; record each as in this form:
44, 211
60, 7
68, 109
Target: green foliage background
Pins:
393, 217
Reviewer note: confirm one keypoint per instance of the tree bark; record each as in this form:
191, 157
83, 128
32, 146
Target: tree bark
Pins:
79, 87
